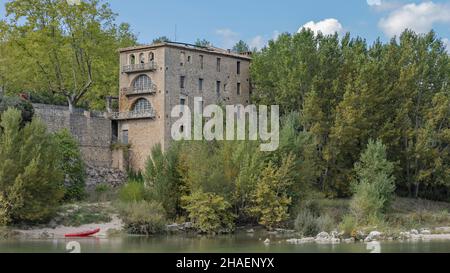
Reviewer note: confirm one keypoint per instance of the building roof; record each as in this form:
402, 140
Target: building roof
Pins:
209, 49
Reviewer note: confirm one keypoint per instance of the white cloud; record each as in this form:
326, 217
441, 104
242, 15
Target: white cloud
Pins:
257, 42
326, 27
374, 2
417, 17
275, 35
447, 44
229, 37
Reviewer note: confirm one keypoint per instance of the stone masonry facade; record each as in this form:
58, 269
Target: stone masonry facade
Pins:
156, 78
153, 80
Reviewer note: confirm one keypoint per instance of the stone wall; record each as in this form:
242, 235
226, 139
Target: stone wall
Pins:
92, 130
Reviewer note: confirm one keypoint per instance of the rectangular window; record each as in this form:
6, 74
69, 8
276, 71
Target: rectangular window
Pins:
238, 68
189, 59
125, 137
201, 61
182, 79
238, 87
218, 64
200, 84
218, 88
182, 101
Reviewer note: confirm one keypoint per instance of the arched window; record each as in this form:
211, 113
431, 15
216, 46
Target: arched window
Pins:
142, 105
132, 59
151, 57
142, 58
142, 82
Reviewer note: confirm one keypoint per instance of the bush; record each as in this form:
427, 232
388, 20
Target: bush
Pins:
30, 179
309, 224
306, 223
348, 226
163, 179
132, 191
24, 106
374, 188
143, 218
72, 165
271, 196
209, 212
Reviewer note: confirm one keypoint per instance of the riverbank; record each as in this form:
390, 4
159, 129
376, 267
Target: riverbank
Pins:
410, 220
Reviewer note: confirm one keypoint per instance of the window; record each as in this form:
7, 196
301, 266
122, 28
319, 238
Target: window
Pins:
189, 59
201, 61
142, 82
142, 105
182, 79
132, 59
238, 68
182, 58
218, 88
151, 57
238, 87
141, 58
218, 64
182, 101
200, 84
125, 137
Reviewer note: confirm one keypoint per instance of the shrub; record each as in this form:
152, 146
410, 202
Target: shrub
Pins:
306, 223
163, 179
144, 218
102, 193
30, 179
271, 196
325, 223
71, 164
348, 225
374, 188
209, 212
132, 191
309, 224
24, 106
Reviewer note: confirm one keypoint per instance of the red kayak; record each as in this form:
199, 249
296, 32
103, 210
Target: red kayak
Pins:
83, 234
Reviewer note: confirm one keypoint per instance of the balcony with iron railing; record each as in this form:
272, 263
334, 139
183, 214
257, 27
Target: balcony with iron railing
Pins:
140, 90
139, 67
143, 114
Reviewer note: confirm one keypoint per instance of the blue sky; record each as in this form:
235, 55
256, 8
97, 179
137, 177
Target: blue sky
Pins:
256, 21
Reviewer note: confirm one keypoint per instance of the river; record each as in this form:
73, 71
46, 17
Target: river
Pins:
243, 243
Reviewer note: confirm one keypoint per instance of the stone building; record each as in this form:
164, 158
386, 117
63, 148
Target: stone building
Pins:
155, 78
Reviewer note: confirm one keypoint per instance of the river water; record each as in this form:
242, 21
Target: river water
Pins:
243, 243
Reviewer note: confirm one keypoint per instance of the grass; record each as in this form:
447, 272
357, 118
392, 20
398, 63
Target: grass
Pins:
416, 213
405, 214
76, 215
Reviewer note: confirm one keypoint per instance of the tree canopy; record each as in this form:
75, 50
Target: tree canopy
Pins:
62, 50
349, 92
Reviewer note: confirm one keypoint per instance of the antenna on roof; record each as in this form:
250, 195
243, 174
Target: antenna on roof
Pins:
175, 33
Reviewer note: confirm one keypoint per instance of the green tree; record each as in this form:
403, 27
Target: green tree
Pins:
241, 47
163, 179
23, 105
30, 178
67, 50
271, 194
210, 213
203, 43
72, 164
375, 184
161, 39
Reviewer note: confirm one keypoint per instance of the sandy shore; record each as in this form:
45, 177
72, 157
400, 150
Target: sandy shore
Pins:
60, 231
